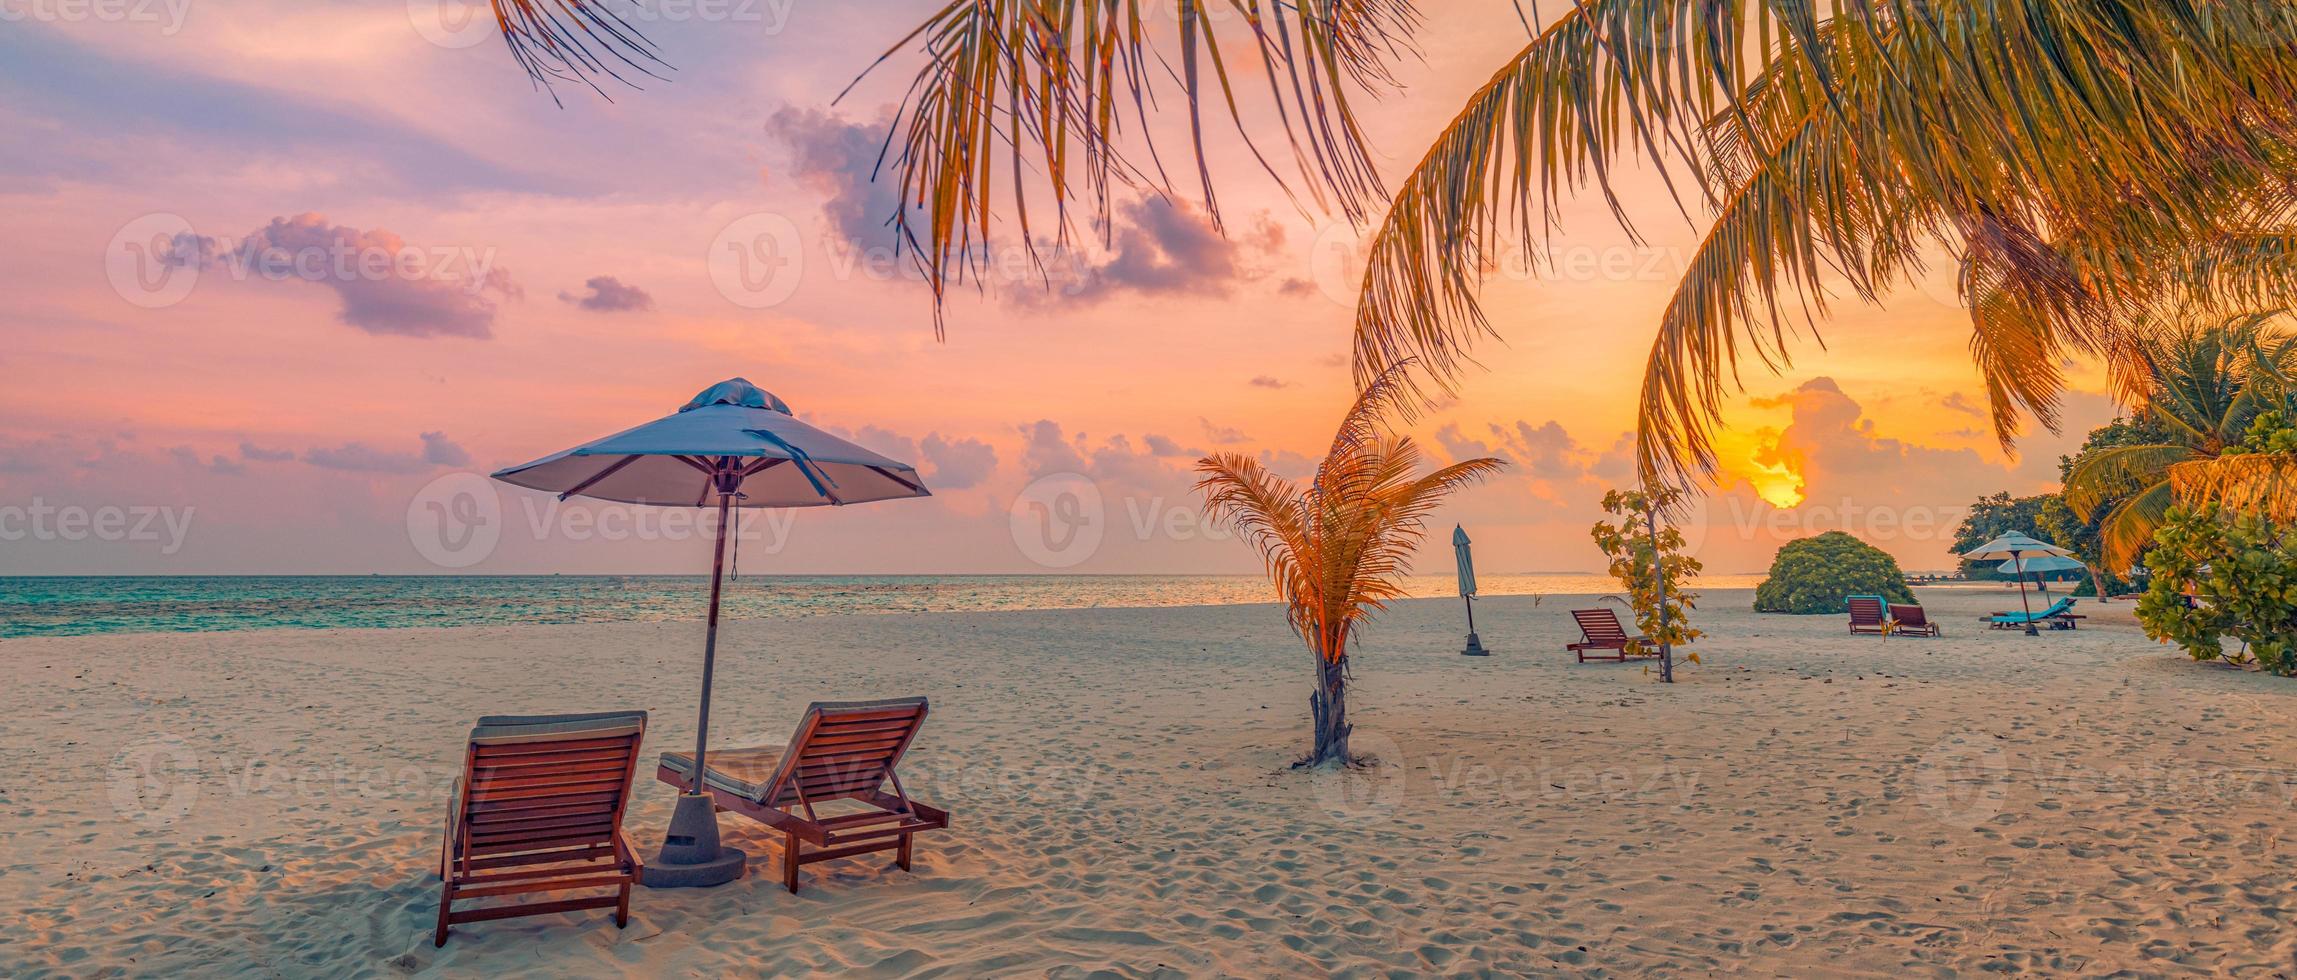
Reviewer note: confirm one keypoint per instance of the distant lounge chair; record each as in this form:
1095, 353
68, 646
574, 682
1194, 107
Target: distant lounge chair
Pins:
542, 794
842, 751
2060, 616
1599, 629
1866, 615
1911, 621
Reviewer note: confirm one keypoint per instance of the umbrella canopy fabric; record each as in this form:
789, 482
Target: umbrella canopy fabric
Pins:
2039, 563
677, 460
2013, 545
1466, 560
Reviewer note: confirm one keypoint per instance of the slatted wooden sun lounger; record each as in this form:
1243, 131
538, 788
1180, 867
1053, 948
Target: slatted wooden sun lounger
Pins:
842, 758
1599, 629
1911, 621
539, 809
1866, 615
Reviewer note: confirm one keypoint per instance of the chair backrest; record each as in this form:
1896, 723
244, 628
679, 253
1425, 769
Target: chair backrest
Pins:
1599, 625
844, 749
2062, 605
1909, 615
1866, 610
546, 783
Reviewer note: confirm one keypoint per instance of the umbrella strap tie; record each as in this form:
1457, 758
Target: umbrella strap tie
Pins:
821, 481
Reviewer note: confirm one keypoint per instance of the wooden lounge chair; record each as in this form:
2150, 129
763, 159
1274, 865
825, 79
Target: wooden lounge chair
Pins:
1911, 621
827, 788
1866, 615
1599, 629
539, 809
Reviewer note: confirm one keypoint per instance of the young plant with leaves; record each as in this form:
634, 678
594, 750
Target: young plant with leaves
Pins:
1337, 549
1647, 557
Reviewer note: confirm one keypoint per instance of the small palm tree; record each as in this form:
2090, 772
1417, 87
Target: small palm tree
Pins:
2204, 386
1336, 548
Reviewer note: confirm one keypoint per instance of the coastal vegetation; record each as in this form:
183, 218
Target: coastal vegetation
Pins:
1337, 548
2220, 575
1818, 574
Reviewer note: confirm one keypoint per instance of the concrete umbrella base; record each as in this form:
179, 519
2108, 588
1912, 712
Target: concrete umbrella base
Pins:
691, 856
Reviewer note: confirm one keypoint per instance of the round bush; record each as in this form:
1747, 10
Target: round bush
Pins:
1816, 575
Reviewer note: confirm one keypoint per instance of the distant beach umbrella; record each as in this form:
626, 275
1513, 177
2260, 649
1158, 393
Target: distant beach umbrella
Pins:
2039, 564
733, 445
1464, 557
2016, 546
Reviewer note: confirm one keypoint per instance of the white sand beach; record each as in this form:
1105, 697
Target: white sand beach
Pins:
1804, 801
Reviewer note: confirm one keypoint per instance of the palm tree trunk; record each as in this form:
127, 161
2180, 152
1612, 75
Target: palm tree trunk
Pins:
1329, 706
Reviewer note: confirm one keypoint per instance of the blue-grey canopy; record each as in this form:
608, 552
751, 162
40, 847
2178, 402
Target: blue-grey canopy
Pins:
734, 427
2039, 563
2013, 545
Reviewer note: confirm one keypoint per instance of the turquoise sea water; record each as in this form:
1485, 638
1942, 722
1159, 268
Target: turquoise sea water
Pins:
67, 606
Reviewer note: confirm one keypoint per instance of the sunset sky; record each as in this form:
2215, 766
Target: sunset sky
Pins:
575, 278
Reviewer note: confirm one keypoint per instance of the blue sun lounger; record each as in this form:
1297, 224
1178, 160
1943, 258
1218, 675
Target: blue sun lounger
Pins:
2060, 616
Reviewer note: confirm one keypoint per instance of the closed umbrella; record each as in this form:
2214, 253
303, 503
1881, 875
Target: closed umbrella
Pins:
1464, 557
2015, 546
733, 445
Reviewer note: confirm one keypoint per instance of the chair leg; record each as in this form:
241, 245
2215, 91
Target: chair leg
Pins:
446, 901
622, 909
790, 862
901, 856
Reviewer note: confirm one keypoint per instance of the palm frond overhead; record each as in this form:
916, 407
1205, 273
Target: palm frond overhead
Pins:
1019, 100
1850, 144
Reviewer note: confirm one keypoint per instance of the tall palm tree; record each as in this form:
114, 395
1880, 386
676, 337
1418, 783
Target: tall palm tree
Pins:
2081, 160
1336, 548
2204, 386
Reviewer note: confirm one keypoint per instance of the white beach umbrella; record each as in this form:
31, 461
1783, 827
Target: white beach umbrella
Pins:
1464, 557
733, 445
2016, 546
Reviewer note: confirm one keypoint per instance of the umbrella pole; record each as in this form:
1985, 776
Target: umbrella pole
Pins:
2022, 601
691, 855
710, 642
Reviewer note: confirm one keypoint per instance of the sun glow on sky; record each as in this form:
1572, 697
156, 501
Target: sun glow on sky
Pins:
287, 411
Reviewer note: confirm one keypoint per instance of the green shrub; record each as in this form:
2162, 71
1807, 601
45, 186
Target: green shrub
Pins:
2248, 593
1816, 575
